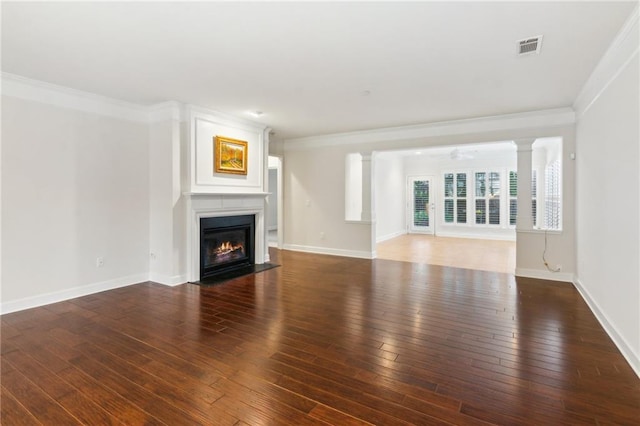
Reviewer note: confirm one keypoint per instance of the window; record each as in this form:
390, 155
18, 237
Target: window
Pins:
481, 201
421, 203
455, 198
494, 198
546, 183
513, 197
552, 196
534, 196
487, 198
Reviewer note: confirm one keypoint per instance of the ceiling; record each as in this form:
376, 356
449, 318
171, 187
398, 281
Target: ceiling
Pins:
316, 68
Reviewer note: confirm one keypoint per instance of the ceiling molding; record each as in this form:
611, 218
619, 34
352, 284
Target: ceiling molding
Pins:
528, 120
166, 111
622, 51
51, 94
39, 91
194, 112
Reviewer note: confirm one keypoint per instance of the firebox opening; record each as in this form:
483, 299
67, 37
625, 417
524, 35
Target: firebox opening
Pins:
226, 243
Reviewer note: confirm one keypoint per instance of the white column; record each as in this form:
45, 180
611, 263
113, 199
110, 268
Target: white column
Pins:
524, 219
366, 187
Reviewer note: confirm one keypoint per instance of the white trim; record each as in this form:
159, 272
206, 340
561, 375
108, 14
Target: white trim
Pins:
194, 111
193, 115
359, 222
206, 205
617, 57
51, 94
542, 274
526, 120
618, 339
390, 236
481, 236
71, 293
331, 251
166, 111
167, 280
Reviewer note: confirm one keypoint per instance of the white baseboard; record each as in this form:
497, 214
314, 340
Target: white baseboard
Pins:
331, 251
632, 358
390, 236
542, 274
167, 279
59, 296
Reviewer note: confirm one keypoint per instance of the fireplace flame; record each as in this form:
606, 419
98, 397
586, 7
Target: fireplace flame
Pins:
227, 247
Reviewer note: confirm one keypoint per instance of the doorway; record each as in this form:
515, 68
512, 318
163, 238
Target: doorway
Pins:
421, 209
274, 200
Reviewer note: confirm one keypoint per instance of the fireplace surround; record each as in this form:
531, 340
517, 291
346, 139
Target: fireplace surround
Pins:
205, 206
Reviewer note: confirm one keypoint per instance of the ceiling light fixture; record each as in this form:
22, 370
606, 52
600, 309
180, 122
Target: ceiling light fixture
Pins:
256, 113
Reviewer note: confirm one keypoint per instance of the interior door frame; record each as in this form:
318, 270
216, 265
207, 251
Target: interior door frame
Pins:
276, 161
411, 229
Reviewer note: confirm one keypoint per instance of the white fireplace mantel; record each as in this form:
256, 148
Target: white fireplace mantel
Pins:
203, 205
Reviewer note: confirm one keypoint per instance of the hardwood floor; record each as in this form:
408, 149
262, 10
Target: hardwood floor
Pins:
319, 340
468, 253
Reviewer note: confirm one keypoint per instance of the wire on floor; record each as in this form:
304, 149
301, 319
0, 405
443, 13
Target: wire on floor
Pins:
544, 254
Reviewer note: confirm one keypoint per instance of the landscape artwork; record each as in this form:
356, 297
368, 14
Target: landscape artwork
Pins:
230, 155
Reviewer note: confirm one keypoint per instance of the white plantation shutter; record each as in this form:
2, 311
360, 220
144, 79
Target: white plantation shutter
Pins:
513, 197
534, 196
552, 196
487, 198
455, 198
421, 203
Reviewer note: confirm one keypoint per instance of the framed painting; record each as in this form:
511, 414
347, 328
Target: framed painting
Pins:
230, 155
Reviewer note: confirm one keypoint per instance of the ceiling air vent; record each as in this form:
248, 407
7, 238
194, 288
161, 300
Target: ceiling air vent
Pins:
529, 45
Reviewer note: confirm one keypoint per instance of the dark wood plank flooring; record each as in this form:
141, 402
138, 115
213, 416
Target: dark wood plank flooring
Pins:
319, 340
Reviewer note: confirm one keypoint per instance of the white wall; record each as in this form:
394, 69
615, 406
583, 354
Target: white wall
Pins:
167, 231
390, 201
607, 201
74, 188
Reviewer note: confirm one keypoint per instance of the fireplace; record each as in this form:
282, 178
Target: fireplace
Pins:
226, 243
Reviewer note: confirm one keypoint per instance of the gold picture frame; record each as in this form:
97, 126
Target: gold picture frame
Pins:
230, 155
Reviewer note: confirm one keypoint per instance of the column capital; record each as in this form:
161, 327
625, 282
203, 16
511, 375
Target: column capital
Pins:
366, 155
524, 144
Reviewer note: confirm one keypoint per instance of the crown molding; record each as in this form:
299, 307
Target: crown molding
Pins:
620, 53
39, 91
527, 120
166, 111
194, 112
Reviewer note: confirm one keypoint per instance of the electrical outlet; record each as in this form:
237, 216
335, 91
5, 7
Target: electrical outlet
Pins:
99, 262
